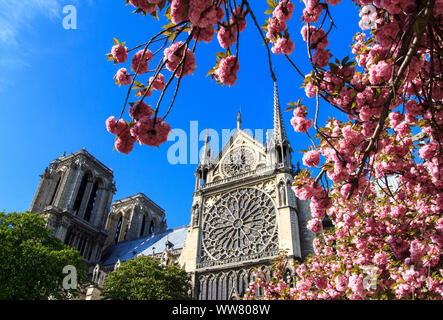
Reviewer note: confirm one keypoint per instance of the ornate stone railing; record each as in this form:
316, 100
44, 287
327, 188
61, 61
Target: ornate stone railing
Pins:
257, 172
239, 259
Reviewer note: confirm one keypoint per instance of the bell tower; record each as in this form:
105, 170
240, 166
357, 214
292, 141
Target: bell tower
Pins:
75, 193
244, 213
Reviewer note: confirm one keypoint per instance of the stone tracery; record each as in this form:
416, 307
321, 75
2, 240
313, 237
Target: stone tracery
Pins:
241, 223
237, 161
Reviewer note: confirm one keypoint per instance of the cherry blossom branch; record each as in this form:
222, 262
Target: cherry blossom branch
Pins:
411, 50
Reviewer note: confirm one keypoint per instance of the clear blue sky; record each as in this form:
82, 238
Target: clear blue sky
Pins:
56, 91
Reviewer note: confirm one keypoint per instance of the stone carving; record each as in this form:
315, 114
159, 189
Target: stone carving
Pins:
241, 223
237, 161
195, 215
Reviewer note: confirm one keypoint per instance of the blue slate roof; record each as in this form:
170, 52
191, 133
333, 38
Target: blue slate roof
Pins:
146, 246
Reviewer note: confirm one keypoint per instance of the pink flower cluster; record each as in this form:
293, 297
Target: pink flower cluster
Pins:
122, 77
226, 36
151, 131
283, 11
146, 130
201, 13
119, 53
276, 28
140, 61
299, 121
312, 11
139, 110
311, 158
125, 141
284, 46
227, 70
174, 56
158, 83
148, 6
203, 34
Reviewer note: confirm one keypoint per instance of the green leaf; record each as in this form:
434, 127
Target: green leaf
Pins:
116, 41
271, 3
155, 14
210, 72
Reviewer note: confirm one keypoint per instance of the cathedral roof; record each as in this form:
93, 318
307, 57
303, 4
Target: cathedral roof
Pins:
84, 153
155, 243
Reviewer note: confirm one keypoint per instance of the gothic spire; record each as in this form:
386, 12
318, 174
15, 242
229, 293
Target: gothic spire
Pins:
279, 128
239, 120
205, 156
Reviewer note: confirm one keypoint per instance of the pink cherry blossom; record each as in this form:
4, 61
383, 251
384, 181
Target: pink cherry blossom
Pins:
174, 55
125, 142
226, 36
122, 77
311, 158
115, 127
315, 225
284, 46
283, 11
140, 61
179, 10
158, 83
119, 53
140, 109
227, 70
151, 131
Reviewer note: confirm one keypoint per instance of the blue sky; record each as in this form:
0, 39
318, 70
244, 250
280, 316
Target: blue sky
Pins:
56, 91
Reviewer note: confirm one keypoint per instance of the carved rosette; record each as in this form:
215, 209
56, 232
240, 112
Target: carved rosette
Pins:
241, 223
237, 161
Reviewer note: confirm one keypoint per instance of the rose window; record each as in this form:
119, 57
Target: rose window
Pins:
242, 222
238, 161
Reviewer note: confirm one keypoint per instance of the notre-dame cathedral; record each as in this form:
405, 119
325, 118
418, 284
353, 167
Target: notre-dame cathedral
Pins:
244, 213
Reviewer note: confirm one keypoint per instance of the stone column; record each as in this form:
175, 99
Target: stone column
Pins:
125, 221
97, 211
75, 185
75, 240
39, 197
66, 187
85, 200
197, 181
135, 223
94, 253
288, 231
107, 201
63, 229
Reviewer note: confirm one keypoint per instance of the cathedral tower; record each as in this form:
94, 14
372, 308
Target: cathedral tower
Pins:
243, 213
75, 193
133, 218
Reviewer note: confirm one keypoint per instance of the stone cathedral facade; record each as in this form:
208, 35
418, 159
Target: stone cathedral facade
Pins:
243, 214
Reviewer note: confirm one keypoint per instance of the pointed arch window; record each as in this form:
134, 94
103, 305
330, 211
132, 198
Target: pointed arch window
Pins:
91, 202
151, 227
57, 185
142, 230
117, 231
81, 192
